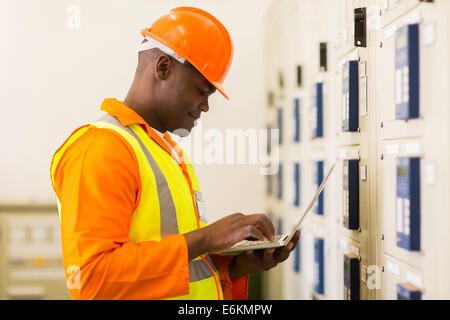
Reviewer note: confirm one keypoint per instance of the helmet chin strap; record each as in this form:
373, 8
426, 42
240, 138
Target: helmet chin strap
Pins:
152, 43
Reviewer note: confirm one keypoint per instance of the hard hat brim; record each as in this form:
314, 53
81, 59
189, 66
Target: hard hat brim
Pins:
220, 89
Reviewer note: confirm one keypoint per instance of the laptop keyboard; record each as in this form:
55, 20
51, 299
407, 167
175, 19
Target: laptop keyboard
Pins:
245, 243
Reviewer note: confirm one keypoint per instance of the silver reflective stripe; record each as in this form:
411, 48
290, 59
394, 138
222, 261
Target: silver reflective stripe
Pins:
169, 224
174, 153
172, 149
208, 258
198, 270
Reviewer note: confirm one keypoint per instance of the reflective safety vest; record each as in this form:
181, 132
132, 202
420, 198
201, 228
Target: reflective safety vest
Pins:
171, 201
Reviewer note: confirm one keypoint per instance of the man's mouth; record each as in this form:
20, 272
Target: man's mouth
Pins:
195, 117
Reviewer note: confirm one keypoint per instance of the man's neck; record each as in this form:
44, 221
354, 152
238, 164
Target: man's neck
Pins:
146, 112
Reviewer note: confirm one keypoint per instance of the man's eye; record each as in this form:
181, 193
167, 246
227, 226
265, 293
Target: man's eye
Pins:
202, 92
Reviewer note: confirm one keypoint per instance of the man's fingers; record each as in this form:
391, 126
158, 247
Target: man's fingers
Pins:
251, 257
254, 232
295, 239
270, 228
265, 225
287, 251
269, 261
283, 253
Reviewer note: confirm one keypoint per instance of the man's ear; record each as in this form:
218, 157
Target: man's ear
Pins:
163, 67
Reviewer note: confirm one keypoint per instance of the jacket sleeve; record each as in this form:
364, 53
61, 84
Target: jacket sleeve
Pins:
233, 289
97, 183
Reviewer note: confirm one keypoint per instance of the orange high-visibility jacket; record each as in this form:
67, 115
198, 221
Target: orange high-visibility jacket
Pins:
97, 181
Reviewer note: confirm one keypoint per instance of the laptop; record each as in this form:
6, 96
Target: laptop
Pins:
280, 240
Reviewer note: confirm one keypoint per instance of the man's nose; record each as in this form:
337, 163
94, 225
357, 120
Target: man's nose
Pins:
204, 106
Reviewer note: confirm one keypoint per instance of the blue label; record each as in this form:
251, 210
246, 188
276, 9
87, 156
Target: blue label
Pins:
407, 72
319, 265
297, 176
404, 293
280, 125
297, 258
280, 181
350, 96
280, 226
351, 194
297, 120
318, 111
318, 178
408, 204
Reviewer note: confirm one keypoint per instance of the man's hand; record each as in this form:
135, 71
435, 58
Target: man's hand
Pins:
228, 231
261, 260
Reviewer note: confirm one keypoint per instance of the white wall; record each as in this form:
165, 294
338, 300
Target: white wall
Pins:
53, 79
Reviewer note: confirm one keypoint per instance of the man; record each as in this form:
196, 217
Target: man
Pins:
133, 224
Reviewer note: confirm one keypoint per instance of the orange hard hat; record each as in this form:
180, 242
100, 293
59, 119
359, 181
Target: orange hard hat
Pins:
198, 37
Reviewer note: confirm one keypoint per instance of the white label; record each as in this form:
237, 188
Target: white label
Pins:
414, 278
362, 69
430, 174
393, 267
363, 96
392, 149
353, 154
343, 244
413, 148
353, 55
320, 78
429, 36
345, 35
318, 231
413, 17
317, 156
363, 172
